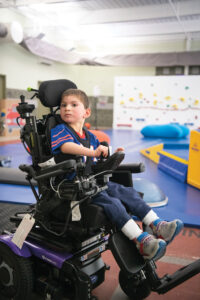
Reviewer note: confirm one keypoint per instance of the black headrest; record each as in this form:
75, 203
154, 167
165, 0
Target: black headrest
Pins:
50, 91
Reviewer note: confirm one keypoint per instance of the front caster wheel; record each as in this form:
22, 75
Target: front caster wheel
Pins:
134, 286
16, 277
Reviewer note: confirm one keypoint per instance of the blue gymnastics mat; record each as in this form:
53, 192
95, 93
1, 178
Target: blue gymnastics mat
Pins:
18, 194
17, 153
13, 193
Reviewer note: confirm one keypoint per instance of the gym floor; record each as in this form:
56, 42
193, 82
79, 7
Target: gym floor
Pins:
183, 203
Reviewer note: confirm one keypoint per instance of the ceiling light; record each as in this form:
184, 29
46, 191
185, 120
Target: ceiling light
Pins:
16, 32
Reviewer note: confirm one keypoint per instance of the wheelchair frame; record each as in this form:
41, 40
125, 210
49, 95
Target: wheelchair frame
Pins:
51, 264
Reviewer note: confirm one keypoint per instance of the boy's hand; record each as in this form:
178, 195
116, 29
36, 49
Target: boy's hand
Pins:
119, 149
101, 150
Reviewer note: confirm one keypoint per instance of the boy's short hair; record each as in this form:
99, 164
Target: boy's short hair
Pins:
80, 94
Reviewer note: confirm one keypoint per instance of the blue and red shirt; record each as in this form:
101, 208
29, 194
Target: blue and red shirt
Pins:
61, 134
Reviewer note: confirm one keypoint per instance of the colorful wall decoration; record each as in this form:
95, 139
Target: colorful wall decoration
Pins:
140, 101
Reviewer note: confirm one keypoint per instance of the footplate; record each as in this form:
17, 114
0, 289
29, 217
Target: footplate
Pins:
126, 253
183, 274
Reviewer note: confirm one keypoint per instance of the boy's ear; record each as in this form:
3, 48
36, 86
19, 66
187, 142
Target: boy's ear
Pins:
87, 113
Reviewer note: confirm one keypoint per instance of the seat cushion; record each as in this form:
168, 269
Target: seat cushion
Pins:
93, 216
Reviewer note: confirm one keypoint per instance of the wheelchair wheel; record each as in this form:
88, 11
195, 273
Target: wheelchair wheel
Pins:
134, 287
16, 277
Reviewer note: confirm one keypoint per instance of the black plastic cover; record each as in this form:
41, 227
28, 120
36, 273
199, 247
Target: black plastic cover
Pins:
126, 253
50, 91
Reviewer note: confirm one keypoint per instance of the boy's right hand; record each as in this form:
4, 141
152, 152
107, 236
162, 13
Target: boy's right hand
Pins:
101, 150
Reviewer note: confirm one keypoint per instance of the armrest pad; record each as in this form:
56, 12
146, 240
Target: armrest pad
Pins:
133, 168
64, 165
58, 169
67, 166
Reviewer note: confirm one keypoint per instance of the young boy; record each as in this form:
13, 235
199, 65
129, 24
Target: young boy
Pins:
70, 138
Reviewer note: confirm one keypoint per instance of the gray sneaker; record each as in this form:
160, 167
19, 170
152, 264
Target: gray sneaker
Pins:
150, 247
166, 230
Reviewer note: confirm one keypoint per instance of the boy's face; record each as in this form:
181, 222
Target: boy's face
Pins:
72, 110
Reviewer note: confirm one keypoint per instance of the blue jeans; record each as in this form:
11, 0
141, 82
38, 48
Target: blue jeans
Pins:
116, 199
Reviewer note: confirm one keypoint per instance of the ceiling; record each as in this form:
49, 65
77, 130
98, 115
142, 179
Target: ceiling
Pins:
108, 26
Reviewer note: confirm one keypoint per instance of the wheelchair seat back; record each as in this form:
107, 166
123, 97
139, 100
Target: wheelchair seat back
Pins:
35, 135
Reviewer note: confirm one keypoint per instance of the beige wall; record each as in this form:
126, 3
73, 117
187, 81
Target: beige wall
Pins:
23, 69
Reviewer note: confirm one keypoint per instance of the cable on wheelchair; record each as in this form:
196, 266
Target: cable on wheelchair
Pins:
101, 173
25, 147
95, 191
17, 120
67, 218
78, 202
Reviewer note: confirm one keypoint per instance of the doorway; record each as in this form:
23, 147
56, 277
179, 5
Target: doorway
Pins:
2, 86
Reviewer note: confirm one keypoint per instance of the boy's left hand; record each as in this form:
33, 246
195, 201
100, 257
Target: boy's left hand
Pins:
119, 149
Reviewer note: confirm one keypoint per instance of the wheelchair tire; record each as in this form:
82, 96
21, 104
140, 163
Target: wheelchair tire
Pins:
16, 276
133, 287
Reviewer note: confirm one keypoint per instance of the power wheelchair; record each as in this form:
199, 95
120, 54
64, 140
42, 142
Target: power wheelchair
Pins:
61, 257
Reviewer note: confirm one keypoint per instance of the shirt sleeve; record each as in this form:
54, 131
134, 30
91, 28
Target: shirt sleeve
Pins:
59, 136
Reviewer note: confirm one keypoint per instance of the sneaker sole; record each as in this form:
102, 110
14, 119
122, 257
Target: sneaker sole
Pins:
160, 253
177, 231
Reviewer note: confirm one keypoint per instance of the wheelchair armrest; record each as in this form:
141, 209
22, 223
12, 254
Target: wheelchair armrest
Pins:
67, 166
133, 168
64, 167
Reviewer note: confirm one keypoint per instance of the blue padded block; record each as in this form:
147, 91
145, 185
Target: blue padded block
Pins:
173, 167
165, 131
184, 129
